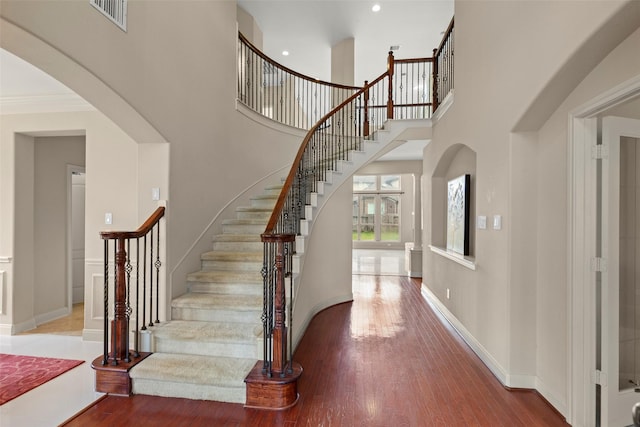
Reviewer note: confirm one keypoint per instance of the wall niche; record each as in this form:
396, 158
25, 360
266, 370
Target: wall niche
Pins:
458, 160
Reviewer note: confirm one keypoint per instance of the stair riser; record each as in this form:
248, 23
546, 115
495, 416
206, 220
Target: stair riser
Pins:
226, 288
254, 215
189, 391
238, 246
216, 315
231, 265
228, 277
243, 229
224, 349
263, 203
273, 191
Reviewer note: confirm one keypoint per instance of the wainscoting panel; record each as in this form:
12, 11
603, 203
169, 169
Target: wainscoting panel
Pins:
2, 274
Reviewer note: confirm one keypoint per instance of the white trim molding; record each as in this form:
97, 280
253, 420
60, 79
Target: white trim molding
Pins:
498, 371
5, 259
581, 214
444, 106
2, 275
464, 261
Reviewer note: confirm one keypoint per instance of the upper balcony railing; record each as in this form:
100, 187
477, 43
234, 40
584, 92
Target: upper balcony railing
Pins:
281, 94
414, 89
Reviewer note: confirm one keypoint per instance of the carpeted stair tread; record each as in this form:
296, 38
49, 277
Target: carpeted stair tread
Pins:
249, 238
232, 256
250, 221
203, 301
253, 209
189, 368
226, 277
191, 330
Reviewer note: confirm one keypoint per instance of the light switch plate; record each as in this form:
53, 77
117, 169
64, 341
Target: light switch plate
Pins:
155, 193
482, 222
108, 218
497, 222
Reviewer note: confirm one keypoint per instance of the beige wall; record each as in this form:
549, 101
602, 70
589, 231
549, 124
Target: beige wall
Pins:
51, 157
343, 62
154, 89
111, 162
249, 28
326, 276
514, 304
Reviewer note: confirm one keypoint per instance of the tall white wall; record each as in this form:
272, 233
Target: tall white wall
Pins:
512, 83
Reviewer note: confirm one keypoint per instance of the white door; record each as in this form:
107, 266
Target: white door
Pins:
620, 297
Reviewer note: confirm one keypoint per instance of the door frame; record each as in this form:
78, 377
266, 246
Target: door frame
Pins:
613, 128
582, 214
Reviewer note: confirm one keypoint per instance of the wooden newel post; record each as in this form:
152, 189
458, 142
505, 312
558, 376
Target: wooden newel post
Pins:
390, 67
365, 129
280, 326
434, 91
120, 322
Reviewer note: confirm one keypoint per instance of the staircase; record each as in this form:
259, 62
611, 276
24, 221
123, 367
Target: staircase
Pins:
215, 336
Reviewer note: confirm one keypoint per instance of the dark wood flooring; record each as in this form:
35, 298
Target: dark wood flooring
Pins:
386, 359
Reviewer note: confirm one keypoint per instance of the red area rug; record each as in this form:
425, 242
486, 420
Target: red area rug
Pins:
19, 374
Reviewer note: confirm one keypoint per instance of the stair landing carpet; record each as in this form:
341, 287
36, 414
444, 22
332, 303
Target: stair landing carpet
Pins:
19, 374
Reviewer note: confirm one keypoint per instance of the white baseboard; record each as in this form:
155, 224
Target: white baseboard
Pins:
52, 315
315, 310
507, 380
5, 329
553, 400
28, 325
521, 381
498, 371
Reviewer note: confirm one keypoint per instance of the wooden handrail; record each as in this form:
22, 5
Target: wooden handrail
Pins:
141, 231
413, 60
275, 214
445, 38
290, 71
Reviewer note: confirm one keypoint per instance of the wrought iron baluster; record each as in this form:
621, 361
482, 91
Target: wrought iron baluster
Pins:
105, 325
157, 265
151, 280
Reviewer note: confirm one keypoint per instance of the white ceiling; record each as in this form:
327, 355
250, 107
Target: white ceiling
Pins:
308, 29
415, 25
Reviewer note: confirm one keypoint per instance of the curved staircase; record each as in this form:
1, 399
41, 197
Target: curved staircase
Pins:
215, 336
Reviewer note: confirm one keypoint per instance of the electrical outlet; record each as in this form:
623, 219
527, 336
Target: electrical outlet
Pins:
108, 218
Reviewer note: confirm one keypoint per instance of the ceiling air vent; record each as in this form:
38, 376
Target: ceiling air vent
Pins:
115, 10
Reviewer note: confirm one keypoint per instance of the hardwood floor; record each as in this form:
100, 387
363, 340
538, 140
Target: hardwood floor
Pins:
386, 359
68, 325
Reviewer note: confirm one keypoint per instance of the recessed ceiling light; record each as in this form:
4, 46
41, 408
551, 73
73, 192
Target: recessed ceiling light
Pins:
376, 8
285, 53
